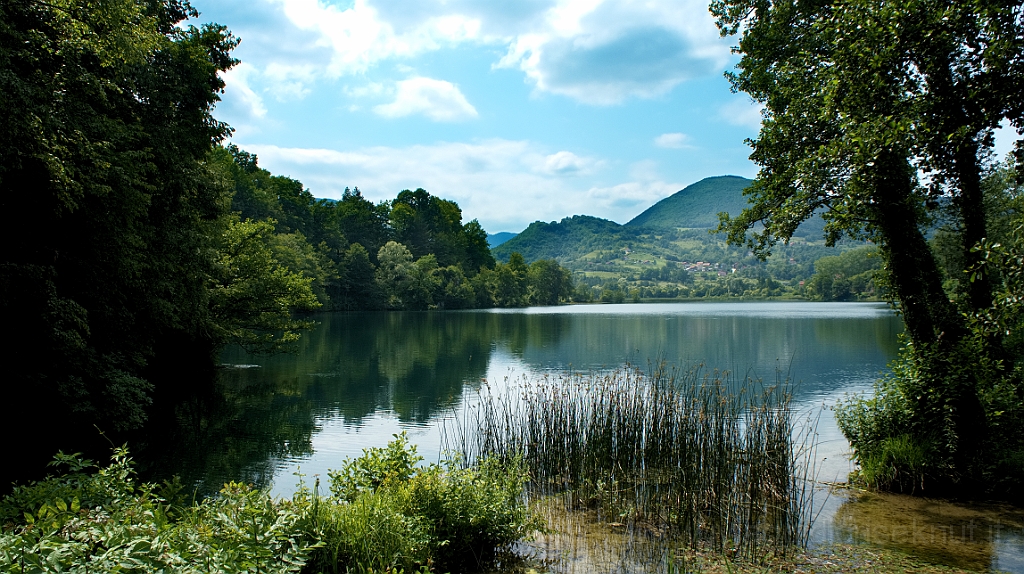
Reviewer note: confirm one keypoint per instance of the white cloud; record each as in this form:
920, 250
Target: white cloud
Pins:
673, 140
603, 52
633, 196
289, 82
595, 51
567, 163
503, 183
742, 112
367, 90
237, 87
439, 100
359, 38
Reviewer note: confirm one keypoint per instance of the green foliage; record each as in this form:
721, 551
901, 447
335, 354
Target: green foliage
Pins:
252, 294
915, 410
846, 277
860, 99
549, 283
394, 516
388, 512
107, 119
107, 522
908, 436
396, 463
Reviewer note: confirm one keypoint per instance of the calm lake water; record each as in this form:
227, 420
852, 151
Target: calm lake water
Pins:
358, 378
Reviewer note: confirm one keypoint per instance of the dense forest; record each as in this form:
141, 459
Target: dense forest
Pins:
152, 246
412, 252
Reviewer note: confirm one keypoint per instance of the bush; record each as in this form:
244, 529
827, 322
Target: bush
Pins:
105, 522
940, 422
385, 512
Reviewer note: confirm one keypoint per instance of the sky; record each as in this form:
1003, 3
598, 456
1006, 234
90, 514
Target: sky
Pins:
518, 110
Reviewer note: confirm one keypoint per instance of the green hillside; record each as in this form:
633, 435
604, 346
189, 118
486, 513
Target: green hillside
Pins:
568, 240
697, 205
670, 251
496, 239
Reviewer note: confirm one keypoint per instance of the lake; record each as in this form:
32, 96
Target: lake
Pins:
358, 378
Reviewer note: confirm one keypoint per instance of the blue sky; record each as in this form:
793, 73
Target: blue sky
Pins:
519, 110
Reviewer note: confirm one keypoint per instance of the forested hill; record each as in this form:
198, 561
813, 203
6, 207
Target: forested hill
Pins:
696, 205
566, 240
669, 242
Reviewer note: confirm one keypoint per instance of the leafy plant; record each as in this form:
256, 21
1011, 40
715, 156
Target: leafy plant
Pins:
107, 521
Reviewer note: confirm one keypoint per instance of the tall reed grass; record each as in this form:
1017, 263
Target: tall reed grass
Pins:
689, 454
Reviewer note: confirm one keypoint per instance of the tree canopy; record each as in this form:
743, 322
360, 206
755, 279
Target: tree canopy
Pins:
881, 115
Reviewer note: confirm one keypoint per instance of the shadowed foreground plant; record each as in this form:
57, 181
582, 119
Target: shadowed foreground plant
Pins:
108, 522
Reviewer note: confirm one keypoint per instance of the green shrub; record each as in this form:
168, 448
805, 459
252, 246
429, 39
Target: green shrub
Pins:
385, 512
373, 532
107, 522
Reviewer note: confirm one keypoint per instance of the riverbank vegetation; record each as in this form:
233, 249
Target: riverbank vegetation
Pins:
698, 458
384, 513
156, 246
410, 253
881, 118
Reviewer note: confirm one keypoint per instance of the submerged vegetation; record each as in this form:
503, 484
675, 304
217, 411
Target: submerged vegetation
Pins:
687, 454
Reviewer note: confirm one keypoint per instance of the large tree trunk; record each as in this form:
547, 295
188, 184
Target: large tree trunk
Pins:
971, 204
914, 275
933, 322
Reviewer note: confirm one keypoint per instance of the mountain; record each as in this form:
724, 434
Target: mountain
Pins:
567, 240
696, 206
672, 236
496, 239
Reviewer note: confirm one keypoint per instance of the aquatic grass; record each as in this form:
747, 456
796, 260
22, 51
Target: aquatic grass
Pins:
689, 454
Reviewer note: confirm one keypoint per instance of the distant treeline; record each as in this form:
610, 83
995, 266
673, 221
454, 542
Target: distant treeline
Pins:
412, 252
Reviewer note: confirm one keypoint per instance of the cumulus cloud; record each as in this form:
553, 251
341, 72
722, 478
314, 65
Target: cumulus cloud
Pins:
742, 112
359, 37
673, 140
439, 100
503, 183
567, 163
604, 52
633, 196
289, 82
595, 51
237, 81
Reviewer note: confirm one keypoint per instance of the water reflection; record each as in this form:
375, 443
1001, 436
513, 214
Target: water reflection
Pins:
358, 378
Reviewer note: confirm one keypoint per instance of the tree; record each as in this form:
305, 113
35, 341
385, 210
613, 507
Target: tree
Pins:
252, 294
859, 97
106, 123
395, 274
510, 282
549, 283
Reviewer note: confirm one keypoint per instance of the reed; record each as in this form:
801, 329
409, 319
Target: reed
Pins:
688, 454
